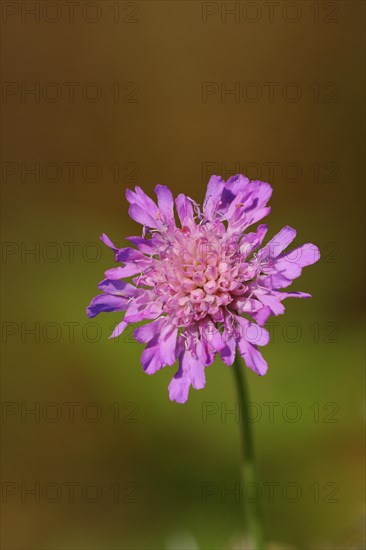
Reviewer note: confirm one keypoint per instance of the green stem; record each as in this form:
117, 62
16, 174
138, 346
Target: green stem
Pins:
248, 469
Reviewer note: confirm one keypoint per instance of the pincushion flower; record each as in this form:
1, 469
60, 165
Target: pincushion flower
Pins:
206, 284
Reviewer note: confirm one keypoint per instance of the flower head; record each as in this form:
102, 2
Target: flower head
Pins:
203, 283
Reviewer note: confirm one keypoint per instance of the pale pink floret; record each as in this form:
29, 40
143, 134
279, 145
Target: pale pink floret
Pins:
198, 281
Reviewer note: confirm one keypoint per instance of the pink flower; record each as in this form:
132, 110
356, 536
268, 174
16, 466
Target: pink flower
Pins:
201, 284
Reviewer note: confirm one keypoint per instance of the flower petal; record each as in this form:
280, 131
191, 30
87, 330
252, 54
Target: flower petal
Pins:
144, 217
233, 187
161, 350
118, 329
118, 288
249, 205
284, 295
165, 203
144, 245
289, 266
251, 332
106, 303
140, 198
277, 244
106, 240
252, 357
261, 316
214, 191
271, 300
184, 210
251, 241
190, 373
141, 311
304, 255
128, 254
227, 353
145, 333
179, 388
121, 272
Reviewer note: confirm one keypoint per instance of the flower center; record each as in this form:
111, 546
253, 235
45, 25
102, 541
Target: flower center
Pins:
199, 275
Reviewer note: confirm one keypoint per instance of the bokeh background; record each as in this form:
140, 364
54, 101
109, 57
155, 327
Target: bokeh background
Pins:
162, 70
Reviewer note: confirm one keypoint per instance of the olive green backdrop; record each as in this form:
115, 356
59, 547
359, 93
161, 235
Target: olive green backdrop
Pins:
170, 92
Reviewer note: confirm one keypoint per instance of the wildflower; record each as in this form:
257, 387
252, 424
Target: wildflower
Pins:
204, 285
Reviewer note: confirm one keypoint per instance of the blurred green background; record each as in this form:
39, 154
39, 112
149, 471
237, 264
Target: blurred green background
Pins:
165, 130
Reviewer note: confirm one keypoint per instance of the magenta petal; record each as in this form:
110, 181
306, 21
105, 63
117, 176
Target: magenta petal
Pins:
145, 333
252, 357
106, 240
161, 350
136, 313
127, 254
261, 316
271, 300
144, 245
168, 339
255, 216
251, 332
190, 372
179, 389
214, 191
227, 353
144, 217
275, 280
196, 368
141, 199
119, 329
304, 255
284, 295
121, 272
118, 288
184, 209
248, 206
237, 184
233, 187
165, 203
290, 265
106, 303
279, 242
251, 241
261, 190
150, 358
